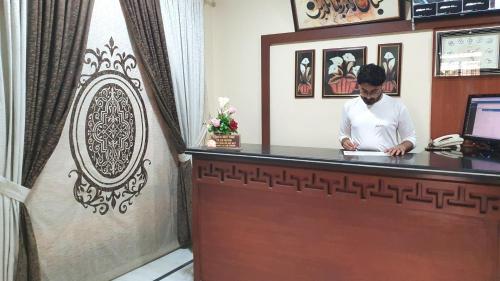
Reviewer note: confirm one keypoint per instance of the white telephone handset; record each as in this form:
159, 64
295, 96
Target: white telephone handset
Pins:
448, 140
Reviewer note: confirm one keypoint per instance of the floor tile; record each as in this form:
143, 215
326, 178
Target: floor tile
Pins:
184, 274
159, 267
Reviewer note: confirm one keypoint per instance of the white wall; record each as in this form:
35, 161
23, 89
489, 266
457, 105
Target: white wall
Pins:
233, 30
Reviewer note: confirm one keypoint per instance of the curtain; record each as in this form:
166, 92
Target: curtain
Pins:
56, 41
146, 28
12, 94
183, 24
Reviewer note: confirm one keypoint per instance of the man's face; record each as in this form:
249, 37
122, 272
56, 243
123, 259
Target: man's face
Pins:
370, 94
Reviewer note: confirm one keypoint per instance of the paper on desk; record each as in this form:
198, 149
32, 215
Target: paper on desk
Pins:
365, 153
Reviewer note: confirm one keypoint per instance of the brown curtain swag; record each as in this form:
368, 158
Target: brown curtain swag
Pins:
57, 37
145, 25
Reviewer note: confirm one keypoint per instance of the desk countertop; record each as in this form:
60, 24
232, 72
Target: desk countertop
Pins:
478, 168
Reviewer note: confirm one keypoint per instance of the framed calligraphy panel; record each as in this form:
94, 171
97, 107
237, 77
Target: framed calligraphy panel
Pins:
310, 14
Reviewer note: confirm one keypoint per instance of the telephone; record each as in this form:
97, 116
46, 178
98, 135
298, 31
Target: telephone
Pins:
448, 142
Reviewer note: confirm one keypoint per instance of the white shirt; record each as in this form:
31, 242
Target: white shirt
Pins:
376, 127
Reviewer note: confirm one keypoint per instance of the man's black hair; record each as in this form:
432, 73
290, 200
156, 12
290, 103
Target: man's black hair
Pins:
371, 74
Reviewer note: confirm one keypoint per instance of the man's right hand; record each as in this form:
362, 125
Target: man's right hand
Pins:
348, 145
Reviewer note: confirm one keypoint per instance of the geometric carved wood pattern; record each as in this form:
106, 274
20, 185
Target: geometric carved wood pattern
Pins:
449, 197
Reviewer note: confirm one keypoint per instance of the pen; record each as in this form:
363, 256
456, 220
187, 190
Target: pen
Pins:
356, 144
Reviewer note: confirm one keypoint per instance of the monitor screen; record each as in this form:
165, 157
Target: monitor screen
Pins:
428, 9
482, 118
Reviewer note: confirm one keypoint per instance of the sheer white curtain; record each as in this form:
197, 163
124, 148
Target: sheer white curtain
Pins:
183, 23
12, 104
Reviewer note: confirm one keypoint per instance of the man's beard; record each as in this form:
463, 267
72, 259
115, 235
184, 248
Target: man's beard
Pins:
370, 101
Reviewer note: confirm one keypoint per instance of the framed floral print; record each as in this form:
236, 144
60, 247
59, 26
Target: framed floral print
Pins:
389, 57
310, 14
340, 71
304, 74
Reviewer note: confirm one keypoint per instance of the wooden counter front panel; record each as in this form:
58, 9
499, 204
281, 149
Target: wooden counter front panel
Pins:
257, 222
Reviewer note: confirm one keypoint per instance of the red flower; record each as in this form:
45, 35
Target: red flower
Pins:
233, 125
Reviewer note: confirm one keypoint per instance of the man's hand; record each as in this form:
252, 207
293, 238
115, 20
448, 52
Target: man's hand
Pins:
400, 149
396, 150
348, 145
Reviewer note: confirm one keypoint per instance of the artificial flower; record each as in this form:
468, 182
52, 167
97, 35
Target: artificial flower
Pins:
231, 110
233, 125
222, 102
215, 122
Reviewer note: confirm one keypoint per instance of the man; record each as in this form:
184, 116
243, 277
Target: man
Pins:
373, 120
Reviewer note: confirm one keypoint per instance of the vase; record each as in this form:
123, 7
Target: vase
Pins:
226, 141
343, 86
389, 87
305, 89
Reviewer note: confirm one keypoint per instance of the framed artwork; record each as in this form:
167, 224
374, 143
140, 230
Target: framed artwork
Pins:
309, 14
439, 9
304, 73
468, 52
340, 71
389, 57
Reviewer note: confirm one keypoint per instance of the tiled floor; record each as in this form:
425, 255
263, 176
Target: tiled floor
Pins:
184, 274
176, 266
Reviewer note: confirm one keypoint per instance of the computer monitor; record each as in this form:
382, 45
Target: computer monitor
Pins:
482, 118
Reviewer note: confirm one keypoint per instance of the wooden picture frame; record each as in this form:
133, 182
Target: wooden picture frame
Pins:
389, 58
304, 73
340, 70
312, 14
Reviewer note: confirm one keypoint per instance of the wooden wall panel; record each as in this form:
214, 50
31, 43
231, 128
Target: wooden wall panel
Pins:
449, 99
449, 94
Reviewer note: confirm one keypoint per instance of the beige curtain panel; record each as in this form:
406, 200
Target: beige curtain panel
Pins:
12, 102
183, 24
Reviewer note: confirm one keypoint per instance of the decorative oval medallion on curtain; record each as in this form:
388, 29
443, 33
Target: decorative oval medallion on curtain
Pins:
109, 132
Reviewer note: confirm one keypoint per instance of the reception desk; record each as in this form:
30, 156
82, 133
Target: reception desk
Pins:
291, 213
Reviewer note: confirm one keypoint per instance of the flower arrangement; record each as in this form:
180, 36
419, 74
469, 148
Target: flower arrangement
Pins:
389, 63
343, 73
305, 78
223, 127
224, 123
